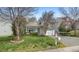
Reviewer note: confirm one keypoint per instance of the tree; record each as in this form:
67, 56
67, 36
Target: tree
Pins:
71, 12
45, 21
13, 15
32, 19
22, 26
65, 27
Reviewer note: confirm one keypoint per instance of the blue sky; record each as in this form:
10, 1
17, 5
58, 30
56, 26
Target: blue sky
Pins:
43, 9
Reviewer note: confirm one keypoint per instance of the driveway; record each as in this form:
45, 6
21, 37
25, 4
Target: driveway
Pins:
70, 41
72, 44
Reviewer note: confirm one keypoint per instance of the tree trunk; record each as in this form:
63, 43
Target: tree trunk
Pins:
17, 33
75, 32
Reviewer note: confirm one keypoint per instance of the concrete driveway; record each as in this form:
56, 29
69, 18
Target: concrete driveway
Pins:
72, 44
70, 41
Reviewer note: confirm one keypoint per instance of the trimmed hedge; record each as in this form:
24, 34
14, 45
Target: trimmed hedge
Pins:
65, 33
72, 33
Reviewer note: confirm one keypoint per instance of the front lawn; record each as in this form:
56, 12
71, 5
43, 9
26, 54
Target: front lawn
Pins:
30, 43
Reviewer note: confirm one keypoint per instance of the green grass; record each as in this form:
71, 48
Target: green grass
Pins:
31, 43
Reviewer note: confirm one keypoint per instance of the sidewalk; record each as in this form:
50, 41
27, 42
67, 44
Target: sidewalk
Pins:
67, 49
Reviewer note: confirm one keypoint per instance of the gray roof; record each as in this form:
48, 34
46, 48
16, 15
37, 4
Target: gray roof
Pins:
33, 24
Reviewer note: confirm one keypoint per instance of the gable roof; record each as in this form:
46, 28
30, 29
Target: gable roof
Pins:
33, 24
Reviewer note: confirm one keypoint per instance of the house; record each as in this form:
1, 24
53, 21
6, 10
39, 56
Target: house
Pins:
32, 26
37, 27
67, 22
5, 29
70, 23
76, 24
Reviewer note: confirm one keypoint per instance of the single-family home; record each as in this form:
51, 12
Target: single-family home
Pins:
32, 26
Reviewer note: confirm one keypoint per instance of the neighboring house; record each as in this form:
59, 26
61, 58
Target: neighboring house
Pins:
76, 24
67, 22
5, 29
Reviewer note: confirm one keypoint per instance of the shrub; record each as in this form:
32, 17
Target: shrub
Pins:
62, 27
72, 33
65, 33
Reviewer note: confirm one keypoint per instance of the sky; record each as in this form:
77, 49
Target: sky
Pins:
41, 10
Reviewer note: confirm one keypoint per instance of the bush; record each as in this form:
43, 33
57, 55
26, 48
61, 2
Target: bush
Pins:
65, 33
61, 45
72, 33
62, 28
35, 34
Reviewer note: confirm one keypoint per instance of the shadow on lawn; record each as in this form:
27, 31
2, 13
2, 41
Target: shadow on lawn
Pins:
6, 38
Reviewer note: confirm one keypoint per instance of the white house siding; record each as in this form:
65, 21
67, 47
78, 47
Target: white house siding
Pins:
50, 32
33, 28
5, 29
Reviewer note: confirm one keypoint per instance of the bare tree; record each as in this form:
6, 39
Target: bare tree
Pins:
11, 14
32, 19
45, 21
22, 25
71, 12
